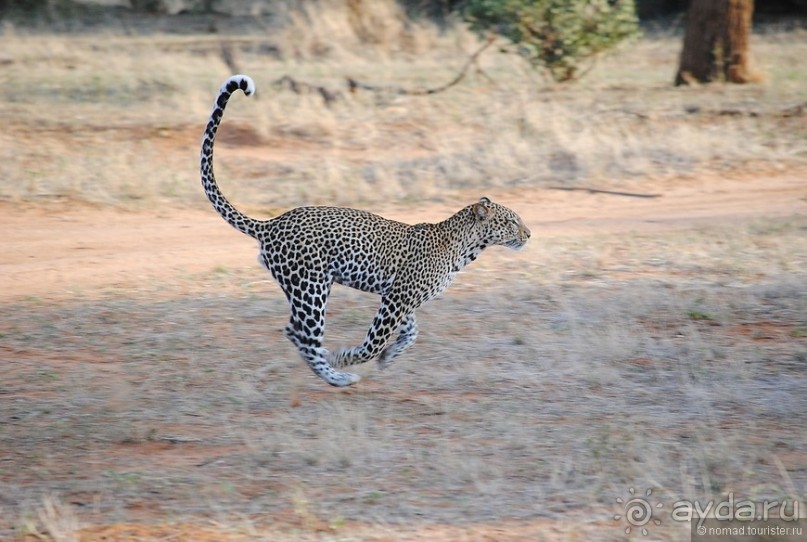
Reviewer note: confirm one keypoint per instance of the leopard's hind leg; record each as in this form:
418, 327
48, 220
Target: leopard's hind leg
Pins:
306, 329
307, 294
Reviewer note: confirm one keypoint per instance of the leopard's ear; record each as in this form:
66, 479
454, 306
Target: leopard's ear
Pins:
483, 209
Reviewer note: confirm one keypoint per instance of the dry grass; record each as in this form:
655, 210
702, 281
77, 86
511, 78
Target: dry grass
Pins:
673, 362
116, 119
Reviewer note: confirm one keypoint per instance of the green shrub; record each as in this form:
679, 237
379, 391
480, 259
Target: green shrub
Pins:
559, 35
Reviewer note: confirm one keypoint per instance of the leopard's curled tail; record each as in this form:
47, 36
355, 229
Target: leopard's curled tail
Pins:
233, 216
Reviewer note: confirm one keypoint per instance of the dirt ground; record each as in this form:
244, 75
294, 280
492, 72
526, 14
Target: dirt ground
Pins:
120, 325
102, 248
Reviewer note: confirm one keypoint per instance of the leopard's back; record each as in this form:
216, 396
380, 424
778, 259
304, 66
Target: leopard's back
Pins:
349, 246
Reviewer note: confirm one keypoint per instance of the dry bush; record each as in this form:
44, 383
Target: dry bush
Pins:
52, 519
344, 29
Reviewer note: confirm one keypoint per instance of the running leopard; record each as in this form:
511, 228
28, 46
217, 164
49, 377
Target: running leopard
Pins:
308, 249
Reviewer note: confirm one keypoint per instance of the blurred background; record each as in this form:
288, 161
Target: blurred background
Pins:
584, 93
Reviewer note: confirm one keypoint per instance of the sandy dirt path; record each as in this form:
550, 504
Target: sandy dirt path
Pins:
58, 250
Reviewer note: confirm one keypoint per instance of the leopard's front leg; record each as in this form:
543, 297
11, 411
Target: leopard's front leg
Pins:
388, 321
407, 334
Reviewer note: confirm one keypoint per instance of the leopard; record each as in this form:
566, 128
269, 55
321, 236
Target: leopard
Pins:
309, 249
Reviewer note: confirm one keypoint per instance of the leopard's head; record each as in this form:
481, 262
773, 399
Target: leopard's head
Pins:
499, 225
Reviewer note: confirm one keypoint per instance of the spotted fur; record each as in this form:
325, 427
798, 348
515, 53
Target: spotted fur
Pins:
307, 249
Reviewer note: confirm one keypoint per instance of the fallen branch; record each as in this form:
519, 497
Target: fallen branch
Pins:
228, 57
640, 116
330, 96
354, 85
300, 87
598, 191
796, 110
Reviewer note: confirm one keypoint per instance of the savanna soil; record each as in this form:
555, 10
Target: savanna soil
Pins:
57, 250
148, 394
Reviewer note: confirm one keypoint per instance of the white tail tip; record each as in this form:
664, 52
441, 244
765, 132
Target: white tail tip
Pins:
244, 82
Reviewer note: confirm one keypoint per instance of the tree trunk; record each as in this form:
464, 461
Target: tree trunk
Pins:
716, 42
736, 60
